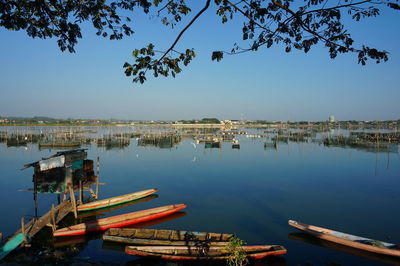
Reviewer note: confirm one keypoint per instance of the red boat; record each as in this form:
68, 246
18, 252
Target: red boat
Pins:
118, 221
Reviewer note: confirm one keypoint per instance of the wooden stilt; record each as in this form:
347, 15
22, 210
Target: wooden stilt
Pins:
80, 192
73, 201
23, 229
53, 218
98, 177
35, 196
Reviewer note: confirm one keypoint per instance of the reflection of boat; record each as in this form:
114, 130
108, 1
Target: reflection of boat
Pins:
356, 242
303, 237
118, 220
115, 200
235, 144
202, 253
84, 214
136, 236
213, 144
271, 145
69, 241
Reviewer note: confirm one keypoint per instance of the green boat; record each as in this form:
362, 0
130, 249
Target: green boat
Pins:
11, 244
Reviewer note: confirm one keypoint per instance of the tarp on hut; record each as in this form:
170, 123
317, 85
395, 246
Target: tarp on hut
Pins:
51, 163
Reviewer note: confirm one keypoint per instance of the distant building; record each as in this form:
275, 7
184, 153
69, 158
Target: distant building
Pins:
226, 123
331, 119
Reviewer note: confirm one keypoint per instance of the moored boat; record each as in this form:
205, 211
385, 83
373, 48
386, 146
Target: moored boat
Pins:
115, 200
357, 242
11, 244
157, 237
100, 211
118, 220
203, 253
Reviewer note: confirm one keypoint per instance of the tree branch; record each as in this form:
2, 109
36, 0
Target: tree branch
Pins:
247, 16
187, 26
306, 28
335, 7
164, 7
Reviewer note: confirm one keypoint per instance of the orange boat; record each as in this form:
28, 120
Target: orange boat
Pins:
202, 253
119, 220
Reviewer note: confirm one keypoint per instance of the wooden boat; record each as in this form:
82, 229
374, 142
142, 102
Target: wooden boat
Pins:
118, 221
356, 242
157, 237
115, 200
202, 253
96, 212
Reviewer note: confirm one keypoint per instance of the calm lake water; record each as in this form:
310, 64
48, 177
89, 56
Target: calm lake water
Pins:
251, 191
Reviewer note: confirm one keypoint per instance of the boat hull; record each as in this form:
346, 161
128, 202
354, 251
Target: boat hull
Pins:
202, 253
347, 239
115, 200
157, 237
119, 220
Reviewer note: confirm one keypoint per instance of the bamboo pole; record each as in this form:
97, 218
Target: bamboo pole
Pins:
73, 201
80, 192
35, 195
23, 229
53, 219
98, 176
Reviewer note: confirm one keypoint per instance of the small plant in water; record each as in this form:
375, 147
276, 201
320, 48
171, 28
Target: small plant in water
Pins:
238, 255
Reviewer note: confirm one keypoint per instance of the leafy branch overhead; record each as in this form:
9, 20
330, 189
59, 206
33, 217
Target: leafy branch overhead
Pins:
288, 23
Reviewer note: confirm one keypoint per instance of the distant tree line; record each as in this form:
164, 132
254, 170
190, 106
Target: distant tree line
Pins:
202, 121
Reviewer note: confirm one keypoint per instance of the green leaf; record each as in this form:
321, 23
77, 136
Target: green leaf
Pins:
217, 55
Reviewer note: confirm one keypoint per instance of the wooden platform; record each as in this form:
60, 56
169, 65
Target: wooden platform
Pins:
36, 224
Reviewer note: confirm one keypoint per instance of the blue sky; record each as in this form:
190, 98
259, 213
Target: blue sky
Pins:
37, 79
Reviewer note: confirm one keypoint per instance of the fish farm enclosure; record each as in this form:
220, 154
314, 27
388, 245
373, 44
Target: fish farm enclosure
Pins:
212, 183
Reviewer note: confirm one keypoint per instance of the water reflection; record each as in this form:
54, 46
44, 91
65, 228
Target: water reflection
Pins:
226, 190
306, 238
161, 140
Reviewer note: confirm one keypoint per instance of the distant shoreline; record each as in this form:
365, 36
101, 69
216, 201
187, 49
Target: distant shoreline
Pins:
391, 124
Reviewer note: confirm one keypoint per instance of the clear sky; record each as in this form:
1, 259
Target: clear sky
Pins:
37, 79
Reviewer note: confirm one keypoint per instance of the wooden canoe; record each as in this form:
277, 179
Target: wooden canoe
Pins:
157, 237
96, 212
115, 200
202, 253
118, 221
353, 241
